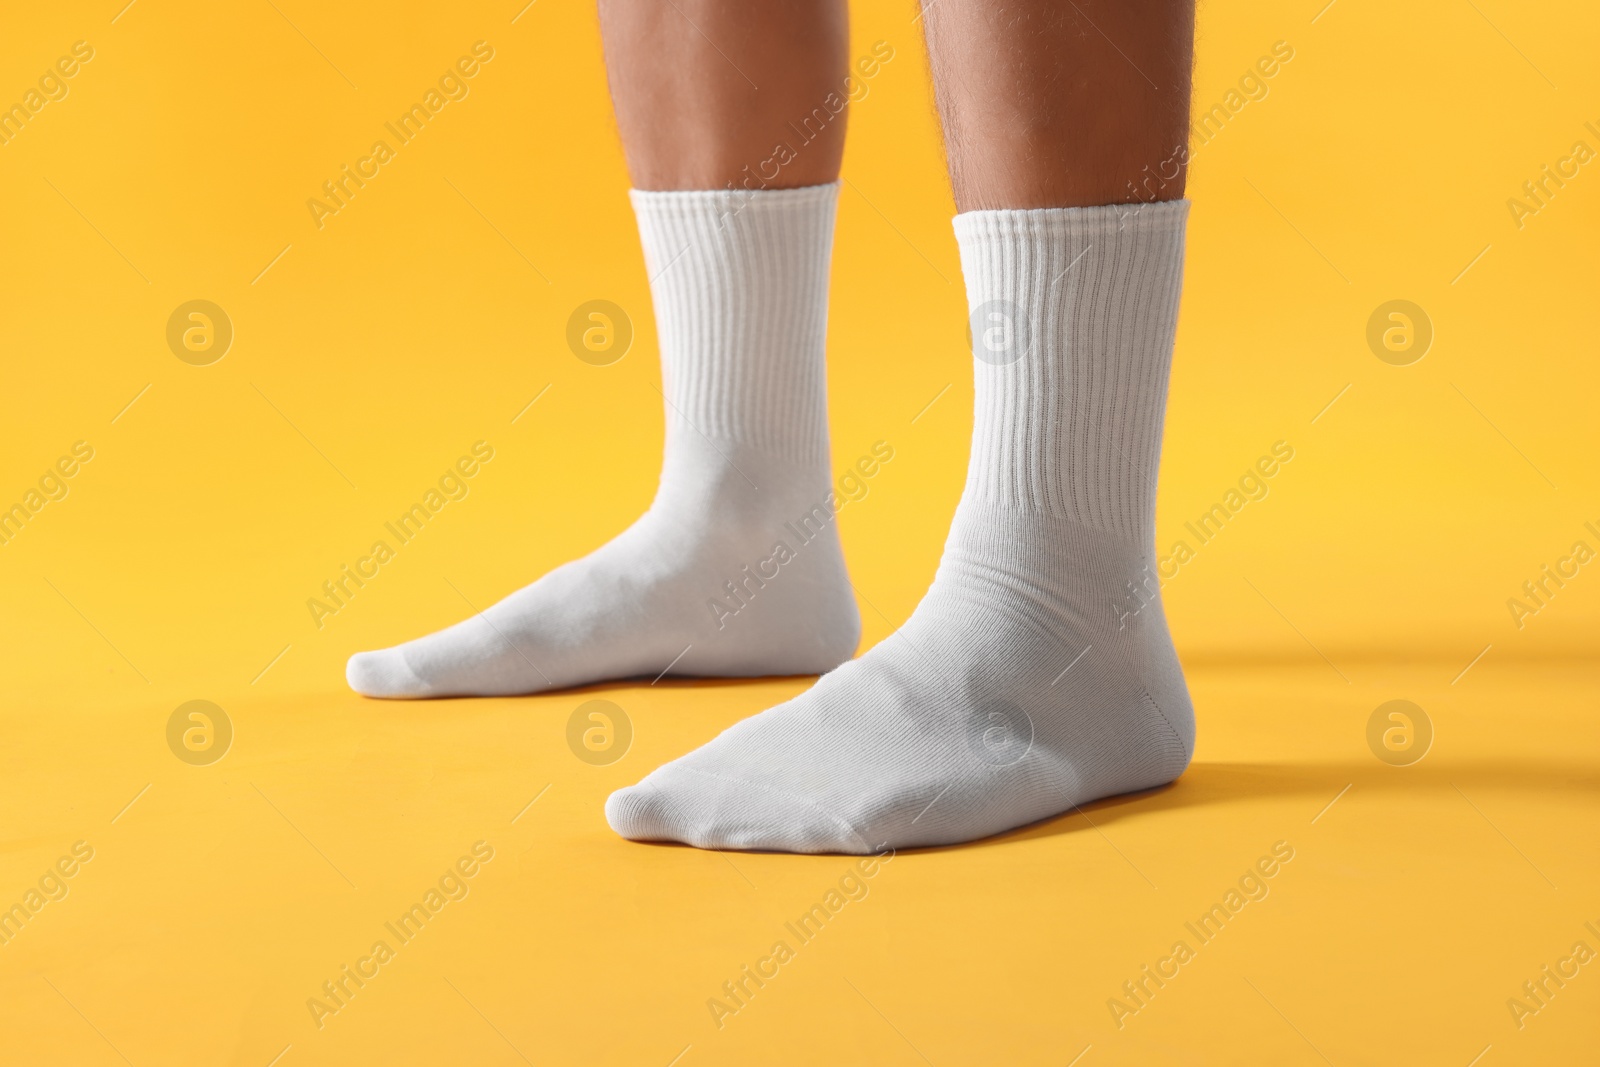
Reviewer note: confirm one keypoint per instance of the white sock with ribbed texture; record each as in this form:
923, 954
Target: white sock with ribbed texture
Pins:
1037, 673
740, 287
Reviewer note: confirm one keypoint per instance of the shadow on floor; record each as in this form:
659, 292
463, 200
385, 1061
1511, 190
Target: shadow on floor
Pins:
1316, 783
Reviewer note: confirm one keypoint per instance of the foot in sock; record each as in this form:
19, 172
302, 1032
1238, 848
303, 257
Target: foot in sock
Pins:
1038, 673
740, 289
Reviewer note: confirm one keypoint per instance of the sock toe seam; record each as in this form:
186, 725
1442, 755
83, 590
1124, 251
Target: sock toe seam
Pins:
763, 787
414, 679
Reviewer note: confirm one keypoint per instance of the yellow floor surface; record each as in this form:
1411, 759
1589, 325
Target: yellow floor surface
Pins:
1405, 906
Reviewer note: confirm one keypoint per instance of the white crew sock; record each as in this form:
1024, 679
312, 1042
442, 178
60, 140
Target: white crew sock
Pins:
740, 286
1037, 673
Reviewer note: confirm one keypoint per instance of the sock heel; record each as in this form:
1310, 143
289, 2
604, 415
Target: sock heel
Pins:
1172, 750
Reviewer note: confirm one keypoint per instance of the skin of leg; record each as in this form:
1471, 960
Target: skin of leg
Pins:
1052, 104
705, 90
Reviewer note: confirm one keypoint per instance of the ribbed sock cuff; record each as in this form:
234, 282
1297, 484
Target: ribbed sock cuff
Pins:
740, 285
1073, 316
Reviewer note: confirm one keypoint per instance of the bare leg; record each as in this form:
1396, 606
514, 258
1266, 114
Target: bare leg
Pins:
1052, 104
705, 88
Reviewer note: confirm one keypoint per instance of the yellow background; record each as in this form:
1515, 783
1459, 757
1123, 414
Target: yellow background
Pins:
427, 314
